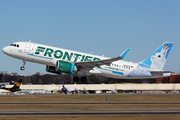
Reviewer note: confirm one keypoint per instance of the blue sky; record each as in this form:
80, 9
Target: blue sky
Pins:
100, 26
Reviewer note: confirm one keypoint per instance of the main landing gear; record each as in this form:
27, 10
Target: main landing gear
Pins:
83, 79
22, 68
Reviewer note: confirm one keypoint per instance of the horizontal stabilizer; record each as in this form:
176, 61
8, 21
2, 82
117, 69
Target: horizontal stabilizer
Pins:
161, 73
156, 72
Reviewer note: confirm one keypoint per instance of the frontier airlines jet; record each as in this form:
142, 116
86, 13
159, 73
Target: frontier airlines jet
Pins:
59, 60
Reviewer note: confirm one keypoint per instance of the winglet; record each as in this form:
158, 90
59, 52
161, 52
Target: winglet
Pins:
125, 52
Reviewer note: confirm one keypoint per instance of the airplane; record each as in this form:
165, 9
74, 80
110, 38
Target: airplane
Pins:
59, 60
15, 88
69, 90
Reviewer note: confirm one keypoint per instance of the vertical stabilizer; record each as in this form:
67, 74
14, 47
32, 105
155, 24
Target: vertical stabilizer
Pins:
157, 59
16, 86
64, 89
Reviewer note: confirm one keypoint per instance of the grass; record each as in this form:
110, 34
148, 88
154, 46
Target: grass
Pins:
91, 117
86, 106
91, 98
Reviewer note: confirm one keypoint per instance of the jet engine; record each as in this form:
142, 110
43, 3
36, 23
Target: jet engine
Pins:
52, 69
65, 67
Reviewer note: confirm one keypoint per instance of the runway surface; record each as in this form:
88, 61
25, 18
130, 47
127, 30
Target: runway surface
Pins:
89, 111
89, 102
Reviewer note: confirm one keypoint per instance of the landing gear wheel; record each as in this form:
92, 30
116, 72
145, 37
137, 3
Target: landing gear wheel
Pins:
22, 68
83, 79
76, 79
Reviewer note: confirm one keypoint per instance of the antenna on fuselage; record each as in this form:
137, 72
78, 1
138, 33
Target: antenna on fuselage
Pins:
29, 41
92, 53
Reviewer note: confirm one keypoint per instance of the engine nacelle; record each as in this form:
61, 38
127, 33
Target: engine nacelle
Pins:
51, 69
65, 67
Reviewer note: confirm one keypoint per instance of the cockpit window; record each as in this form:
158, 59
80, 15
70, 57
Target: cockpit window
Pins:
15, 45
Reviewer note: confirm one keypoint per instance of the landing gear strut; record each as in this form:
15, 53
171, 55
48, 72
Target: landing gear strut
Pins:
22, 68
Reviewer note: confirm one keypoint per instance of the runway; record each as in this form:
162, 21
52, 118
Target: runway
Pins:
99, 106
89, 111
89, 102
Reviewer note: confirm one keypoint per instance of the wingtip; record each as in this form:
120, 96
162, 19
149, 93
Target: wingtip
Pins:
124, 53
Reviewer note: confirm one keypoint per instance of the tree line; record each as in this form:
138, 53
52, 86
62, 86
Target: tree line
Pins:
51, 79
67, 79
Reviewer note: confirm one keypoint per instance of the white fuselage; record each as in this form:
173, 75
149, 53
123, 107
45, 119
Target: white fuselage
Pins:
48, 55
70, 90
5, 91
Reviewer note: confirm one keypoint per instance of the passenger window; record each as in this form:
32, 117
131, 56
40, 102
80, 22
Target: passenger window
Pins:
17, 45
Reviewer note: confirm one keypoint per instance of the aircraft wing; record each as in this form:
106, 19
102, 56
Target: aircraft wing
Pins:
88, 65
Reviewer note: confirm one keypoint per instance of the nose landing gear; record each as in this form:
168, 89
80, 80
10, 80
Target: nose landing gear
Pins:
22, 68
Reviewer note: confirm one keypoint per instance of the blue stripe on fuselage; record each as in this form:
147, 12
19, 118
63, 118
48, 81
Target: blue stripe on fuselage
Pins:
115, 72
40, 56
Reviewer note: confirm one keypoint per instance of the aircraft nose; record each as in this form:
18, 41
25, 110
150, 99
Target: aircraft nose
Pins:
5, 50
